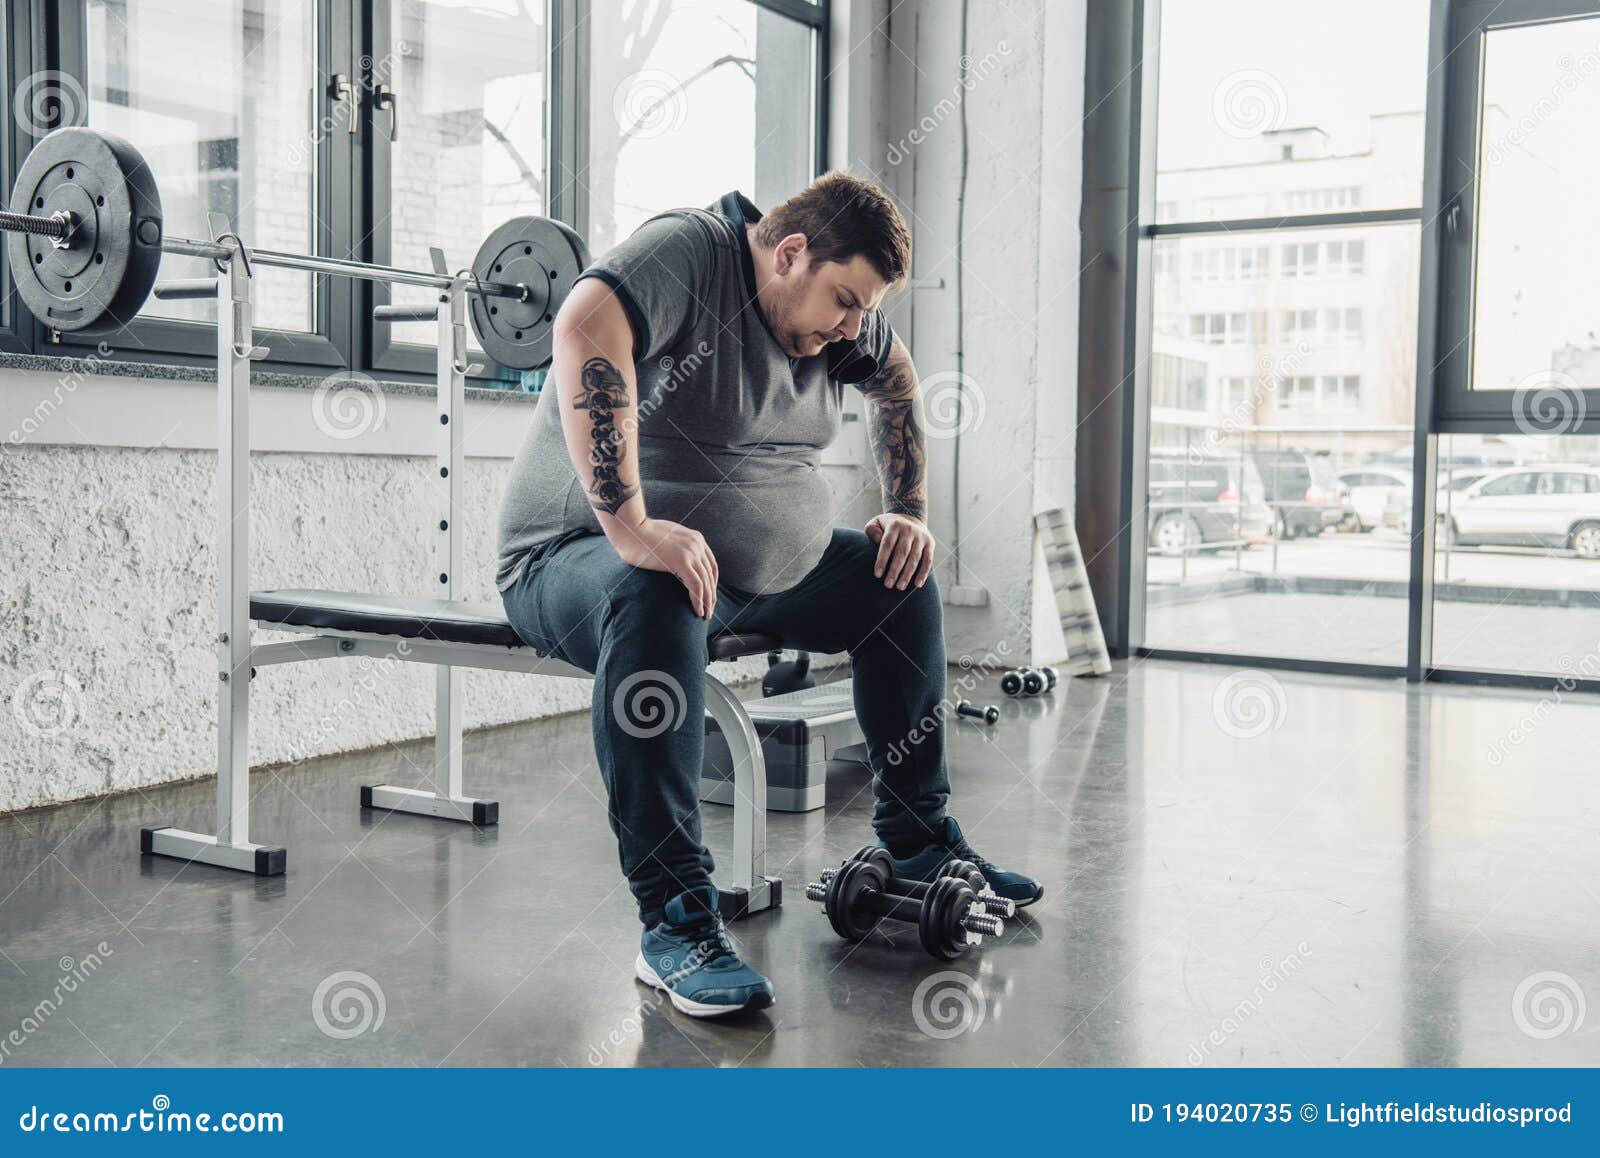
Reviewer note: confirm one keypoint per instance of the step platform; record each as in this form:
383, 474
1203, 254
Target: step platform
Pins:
800, 731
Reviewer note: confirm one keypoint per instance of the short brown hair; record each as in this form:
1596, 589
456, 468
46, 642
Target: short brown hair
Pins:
842, 216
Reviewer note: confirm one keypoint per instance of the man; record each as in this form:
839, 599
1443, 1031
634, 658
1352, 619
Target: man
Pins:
669, 489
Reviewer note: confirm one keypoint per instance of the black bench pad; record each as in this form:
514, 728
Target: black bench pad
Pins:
443, 620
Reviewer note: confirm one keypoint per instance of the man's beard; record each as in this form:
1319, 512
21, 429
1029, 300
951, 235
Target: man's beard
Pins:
789, 339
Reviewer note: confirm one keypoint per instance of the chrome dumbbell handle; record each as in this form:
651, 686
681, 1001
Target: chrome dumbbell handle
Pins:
982, 924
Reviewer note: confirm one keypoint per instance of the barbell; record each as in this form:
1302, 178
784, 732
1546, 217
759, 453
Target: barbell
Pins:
85, 239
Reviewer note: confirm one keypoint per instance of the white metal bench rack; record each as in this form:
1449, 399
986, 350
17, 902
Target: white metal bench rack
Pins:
450, 633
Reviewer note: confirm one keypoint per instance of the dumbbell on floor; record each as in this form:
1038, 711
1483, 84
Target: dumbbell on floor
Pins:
949, 917
988, 713
993, 903
1028, 681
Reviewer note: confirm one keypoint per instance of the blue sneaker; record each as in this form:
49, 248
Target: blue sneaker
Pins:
950, 845
690, 957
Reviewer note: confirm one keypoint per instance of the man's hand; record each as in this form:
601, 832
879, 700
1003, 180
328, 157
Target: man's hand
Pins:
660, 545
905, 550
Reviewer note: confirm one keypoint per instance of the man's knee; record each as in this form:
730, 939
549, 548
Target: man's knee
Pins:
655, 604
863, 553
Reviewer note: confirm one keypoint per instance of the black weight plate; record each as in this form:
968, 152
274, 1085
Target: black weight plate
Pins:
579, 249
540, 254
939, 929
965, 870
880, 858
102, 278
854, 877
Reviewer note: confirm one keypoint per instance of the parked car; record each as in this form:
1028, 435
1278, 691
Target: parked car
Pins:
1206, 501
1370, 488
1550, 505
1397, 507
1302, 491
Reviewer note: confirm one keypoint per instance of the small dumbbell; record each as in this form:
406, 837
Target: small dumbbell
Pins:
949, 918
1022, 681
1028, 681
901, 887
988, 714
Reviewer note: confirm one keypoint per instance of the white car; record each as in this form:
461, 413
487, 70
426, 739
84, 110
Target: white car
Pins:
1550, 505
1397, 509
1370, 488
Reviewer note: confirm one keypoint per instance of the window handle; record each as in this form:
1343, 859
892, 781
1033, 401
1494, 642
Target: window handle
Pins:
1452, 217
383, 98
341, 90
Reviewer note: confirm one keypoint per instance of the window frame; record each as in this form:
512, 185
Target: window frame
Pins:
22, 54
351, 172
385, 354
168, 340
1459, 409
1144, 234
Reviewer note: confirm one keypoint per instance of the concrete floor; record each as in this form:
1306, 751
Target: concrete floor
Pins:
1357, 874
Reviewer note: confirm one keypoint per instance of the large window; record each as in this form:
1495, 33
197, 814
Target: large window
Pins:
1269, 475
1517, 503
700, 97
217, 97
1419, 245
1518, 338
1535, 313
381, 129
460, 124
1517, 560
1283, 108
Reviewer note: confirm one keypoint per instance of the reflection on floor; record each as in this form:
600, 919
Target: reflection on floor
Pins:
1242, 869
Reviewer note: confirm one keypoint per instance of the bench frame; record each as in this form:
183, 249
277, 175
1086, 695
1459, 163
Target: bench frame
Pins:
238, 656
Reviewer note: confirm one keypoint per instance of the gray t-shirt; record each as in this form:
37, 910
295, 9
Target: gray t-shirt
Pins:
730, 429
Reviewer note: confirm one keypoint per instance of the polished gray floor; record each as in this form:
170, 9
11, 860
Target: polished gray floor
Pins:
1242, 868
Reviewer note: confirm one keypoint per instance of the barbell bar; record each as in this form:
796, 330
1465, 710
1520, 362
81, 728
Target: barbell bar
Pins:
85, 239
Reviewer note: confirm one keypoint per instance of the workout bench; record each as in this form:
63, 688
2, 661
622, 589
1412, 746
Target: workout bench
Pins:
447, 632
84, 239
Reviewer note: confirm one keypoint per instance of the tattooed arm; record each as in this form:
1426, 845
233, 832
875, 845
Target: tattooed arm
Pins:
595, 385
894, 427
